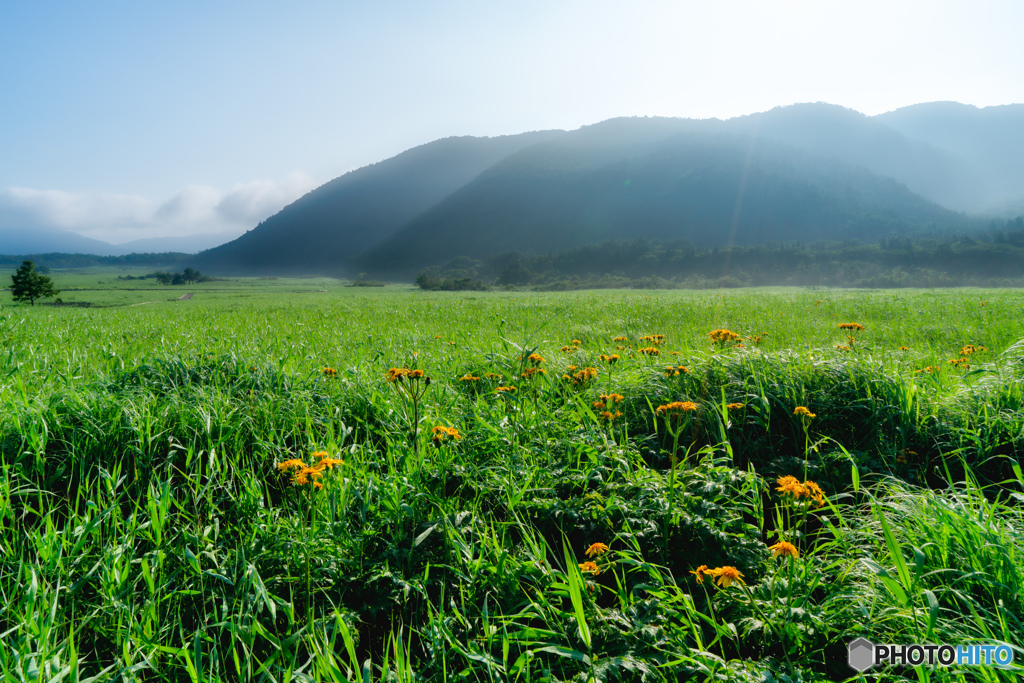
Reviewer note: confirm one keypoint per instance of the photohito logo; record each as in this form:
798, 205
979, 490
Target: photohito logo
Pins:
864, 654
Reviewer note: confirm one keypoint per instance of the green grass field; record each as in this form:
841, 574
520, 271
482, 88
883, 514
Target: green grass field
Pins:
152, 528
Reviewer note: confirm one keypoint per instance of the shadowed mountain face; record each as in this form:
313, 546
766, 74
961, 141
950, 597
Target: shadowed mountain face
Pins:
941, 174
661, 179
324, 229
990, 140
799, 173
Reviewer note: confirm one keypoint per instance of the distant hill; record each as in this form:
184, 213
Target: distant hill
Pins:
185, 244
327, 227
660, 179
37, 240
990, 140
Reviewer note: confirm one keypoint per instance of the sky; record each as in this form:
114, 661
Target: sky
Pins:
129, 120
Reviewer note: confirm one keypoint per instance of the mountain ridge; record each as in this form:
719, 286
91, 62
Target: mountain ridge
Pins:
345, 215
660, 179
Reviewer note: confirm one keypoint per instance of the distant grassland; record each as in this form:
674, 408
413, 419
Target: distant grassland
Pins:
148, 531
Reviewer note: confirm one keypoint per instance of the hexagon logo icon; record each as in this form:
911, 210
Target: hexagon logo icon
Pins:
862, 655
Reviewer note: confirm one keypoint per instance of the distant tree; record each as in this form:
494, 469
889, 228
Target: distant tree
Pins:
27, 284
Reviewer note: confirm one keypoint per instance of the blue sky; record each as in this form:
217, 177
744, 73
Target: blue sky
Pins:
124, 120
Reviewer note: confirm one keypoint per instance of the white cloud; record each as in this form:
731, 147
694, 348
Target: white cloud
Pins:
196, 204
119, 218
250, 203
70, 211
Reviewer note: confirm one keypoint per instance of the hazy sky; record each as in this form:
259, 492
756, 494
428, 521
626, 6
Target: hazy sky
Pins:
124, 120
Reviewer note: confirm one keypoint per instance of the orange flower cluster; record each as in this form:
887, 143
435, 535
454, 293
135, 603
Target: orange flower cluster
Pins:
851, 326
656, 339
492, 375
723, 337
530, 372
959, 363
676, 371
506, 390
568, 349
802, 411
330, 372
535, 359
583, 376
970, 348
620, 339
399, 374
842, 347
789, 486
597, 549
930, 369
610, 360
603, 404
676, 408
757, 338
304, 474
441, 434
723, 576
735, 406
469, 378
590, 567
904, 348
650, 351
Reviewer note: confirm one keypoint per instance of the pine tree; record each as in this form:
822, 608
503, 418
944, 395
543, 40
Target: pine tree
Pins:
27, 284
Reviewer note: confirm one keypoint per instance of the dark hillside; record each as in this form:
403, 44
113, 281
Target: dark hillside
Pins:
661, 179
323, 229
942, 175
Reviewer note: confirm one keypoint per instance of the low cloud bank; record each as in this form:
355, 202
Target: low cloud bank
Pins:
117, 218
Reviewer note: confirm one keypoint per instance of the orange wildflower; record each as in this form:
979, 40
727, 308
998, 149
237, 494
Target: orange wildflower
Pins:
784, 548
702, 571
724, 576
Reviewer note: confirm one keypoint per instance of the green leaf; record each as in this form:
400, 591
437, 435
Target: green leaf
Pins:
565, 652
575, 593
892, 584
933, 612
894, 551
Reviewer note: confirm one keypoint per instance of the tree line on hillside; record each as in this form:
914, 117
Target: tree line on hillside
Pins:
186, 277
991, 258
